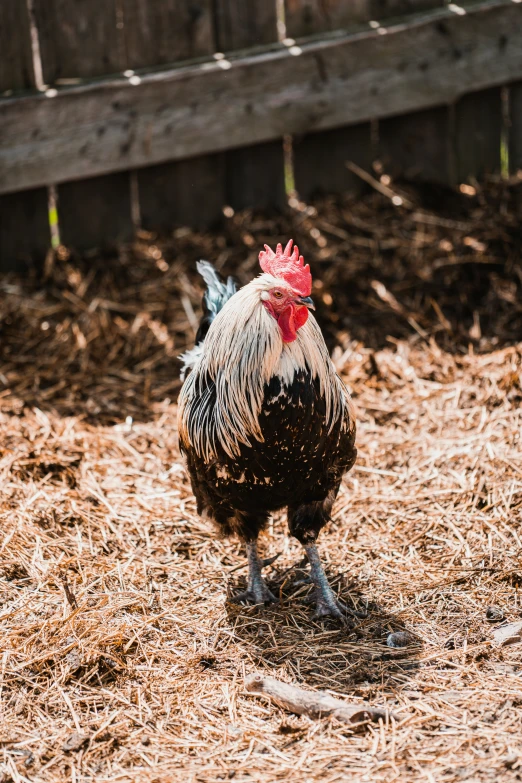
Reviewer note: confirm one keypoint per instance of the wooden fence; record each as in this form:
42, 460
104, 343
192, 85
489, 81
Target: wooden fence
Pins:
160, 112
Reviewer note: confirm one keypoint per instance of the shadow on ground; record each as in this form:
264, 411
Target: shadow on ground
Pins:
323, 653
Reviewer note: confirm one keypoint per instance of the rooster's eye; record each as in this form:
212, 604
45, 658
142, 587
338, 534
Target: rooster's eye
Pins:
278, 294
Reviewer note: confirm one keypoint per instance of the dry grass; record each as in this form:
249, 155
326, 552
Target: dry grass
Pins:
121, 658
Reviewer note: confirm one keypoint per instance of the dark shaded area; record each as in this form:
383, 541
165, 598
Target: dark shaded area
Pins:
450, 266
322, 653
442, 266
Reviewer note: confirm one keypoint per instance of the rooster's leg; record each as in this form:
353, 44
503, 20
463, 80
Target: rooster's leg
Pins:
327, 604
305, 521
257, 591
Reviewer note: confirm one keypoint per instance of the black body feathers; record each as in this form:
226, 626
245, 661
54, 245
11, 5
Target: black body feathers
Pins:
299, 462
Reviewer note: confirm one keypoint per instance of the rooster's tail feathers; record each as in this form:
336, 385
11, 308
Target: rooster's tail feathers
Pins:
215, 297
217, 294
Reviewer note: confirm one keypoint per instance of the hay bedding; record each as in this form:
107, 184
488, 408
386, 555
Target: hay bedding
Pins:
121, 659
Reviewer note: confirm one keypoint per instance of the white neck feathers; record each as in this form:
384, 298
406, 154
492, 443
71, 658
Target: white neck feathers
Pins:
242, 351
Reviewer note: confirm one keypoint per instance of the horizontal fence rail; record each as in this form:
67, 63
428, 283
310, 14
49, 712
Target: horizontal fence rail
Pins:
422, 92
121, 124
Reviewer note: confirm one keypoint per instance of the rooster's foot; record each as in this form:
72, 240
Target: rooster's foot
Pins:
330, 607
258, 595
257, 591
327, 605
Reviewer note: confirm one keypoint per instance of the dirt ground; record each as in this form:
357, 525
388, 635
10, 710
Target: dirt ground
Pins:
121, 659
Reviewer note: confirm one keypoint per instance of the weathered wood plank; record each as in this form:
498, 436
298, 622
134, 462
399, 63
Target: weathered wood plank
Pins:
163, 32
242, 24
430, 60
320, 158
24, 229
95, 213
255, 176
24, 223
383, 9
419, 146
79, 39
189, 192
308, 17
515, 128
16, 61
478, 134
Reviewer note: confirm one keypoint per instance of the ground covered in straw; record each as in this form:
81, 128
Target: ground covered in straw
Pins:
121, 658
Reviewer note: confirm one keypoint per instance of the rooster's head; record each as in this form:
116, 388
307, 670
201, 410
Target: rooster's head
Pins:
286, 292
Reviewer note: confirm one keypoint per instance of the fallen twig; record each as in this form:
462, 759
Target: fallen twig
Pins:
508, 634
398, 201
315, 704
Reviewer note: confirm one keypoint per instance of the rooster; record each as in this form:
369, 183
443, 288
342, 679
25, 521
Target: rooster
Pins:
264, 420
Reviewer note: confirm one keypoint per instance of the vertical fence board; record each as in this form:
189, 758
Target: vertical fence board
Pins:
254, 176
16, 61
320, 160
515, 128
79, 39
478, 134
381, 9
24, 228
96, 212
164, 32
418, 146
240, 24
189, 192
24, 222
308, 17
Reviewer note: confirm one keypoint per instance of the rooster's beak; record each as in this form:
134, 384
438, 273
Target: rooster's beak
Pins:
307, 301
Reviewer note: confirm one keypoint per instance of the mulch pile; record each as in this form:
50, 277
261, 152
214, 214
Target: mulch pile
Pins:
120, 657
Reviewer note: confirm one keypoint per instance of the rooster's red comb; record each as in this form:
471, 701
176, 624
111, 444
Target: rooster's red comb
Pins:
288, 265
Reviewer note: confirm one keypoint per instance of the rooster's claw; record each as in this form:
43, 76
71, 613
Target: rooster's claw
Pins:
335, 608
255, 597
